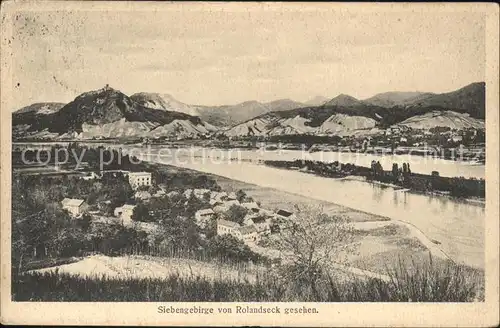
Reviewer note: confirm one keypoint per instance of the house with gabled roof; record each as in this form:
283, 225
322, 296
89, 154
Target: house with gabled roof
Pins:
252, 206
75, 207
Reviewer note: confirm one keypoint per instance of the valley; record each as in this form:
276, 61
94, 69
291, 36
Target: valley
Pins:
331, 156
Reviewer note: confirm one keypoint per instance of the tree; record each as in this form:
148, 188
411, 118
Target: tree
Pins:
84, 222
236, 213
241, 195
229, 247
310, 242
395, 170
141, 213
193, 205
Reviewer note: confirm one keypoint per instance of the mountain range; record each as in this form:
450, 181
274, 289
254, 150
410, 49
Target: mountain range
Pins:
346, 115
108, 113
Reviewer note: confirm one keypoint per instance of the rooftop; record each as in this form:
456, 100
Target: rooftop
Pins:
258, 219
250, 205
72, 202
206, 211
138, 174
228, 223
284, 213
247, 230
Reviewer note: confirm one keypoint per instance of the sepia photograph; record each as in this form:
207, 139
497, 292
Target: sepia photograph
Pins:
280, 158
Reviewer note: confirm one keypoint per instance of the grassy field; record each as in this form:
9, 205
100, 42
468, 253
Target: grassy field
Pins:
421, 283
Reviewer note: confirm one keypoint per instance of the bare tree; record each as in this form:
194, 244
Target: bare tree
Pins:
311, 242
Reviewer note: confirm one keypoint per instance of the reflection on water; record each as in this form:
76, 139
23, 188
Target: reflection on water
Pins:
377, 192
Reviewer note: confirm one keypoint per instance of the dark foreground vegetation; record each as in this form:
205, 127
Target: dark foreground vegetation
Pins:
459, 187
418, 283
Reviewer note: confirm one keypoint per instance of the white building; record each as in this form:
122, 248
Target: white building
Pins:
74, 206
137, 179
125, 212
225, 227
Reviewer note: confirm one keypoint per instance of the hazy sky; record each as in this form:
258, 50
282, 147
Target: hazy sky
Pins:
220, 57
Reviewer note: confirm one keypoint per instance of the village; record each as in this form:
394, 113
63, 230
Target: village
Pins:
233, 213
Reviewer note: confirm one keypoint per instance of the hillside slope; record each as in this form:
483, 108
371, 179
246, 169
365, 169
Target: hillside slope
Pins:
344, 100
449, 119
395, 98
41, 108
230, 115
469, 99
309, 120
163, 102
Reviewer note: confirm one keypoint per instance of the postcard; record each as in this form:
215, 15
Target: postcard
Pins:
249, 164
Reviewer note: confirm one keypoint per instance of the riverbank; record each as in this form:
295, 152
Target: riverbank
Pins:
457, 187
477, 201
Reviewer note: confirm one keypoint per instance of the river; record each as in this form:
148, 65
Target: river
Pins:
418, 164
458, 226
